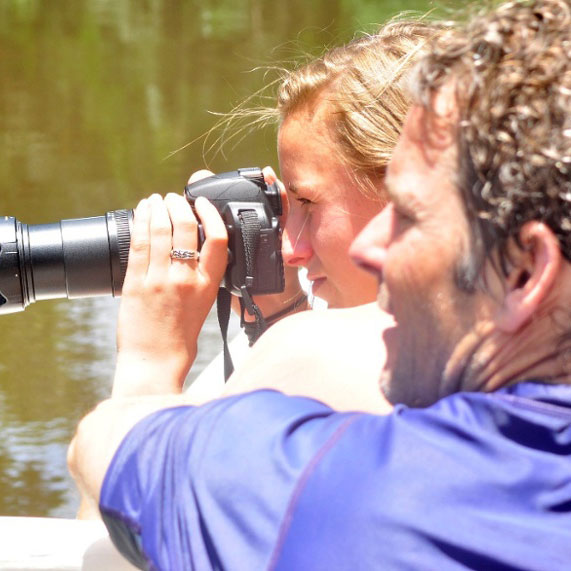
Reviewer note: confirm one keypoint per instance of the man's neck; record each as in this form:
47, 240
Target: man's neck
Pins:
492, 359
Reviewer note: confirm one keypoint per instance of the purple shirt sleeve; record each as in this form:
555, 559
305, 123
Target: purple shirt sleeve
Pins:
265, 481
209, 487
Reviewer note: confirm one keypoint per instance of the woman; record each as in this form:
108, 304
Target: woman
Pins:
339, 119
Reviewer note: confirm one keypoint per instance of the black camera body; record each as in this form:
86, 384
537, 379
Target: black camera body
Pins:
87, 257
250, 210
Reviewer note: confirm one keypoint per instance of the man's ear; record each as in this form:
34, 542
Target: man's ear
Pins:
533, 272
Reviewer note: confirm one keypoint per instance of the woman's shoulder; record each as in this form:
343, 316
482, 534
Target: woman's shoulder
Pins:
334, 355
363, 323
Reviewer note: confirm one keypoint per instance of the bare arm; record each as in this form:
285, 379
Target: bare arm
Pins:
165, 302
163, 308
339, 368
99, 435
334, 356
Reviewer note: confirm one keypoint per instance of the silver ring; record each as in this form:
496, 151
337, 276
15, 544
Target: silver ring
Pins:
180, 254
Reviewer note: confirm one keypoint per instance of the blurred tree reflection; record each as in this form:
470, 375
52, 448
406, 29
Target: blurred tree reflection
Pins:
94, 97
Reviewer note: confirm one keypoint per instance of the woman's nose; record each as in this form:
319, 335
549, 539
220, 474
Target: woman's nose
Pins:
296, 247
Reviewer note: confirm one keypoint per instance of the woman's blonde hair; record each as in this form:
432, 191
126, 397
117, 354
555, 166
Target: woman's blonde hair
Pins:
365, 84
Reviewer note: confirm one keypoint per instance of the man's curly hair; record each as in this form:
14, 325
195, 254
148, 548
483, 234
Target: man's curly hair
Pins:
512, 72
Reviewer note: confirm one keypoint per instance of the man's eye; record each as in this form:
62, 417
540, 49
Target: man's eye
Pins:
304, 201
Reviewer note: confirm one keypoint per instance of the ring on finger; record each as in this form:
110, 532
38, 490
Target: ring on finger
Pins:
182, 254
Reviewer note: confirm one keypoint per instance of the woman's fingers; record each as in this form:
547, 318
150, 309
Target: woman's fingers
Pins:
199, 175
270, 177
161, 238
214, 254
161, 225
184, 235
140, 244
184, 224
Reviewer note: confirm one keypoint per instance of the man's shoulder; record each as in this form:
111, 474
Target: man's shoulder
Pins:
472, 419
533, 401
432, 486
527, 420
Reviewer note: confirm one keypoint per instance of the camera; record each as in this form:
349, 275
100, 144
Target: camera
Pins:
87, 257
250, 209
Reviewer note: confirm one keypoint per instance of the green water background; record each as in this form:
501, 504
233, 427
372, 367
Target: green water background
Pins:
95, 95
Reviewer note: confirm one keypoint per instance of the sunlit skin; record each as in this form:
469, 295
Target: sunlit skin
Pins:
326, 209
414, 247
447, 338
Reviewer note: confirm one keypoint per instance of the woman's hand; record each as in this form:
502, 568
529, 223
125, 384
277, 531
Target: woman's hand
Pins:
293, 295
165, 301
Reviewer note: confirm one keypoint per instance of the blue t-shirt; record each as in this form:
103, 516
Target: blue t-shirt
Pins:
266, 481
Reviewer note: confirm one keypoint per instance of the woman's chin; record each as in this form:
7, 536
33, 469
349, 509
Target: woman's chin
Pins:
319, 289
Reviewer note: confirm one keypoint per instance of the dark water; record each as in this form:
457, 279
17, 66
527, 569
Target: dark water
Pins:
95, 95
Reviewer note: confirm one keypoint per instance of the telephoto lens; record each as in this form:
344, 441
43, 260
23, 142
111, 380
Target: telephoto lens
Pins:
86, 257
75, 258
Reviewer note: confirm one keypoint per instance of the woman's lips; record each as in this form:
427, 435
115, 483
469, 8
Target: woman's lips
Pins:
316, 283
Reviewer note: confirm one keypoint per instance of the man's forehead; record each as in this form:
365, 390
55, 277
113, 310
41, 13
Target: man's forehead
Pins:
409, 145
434, 125
427, 144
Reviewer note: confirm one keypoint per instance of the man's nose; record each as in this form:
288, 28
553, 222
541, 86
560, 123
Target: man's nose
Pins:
296, 247
369, 248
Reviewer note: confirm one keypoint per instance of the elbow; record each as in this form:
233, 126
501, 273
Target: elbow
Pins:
87, 452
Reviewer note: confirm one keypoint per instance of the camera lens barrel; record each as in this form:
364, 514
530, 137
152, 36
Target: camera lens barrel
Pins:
86, 257
74, 258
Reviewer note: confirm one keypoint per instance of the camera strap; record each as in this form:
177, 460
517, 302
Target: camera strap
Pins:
223, 303
250, 231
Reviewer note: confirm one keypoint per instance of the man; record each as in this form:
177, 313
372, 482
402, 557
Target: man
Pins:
473, 258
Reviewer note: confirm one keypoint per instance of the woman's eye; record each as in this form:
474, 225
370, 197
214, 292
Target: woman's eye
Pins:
403, 215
